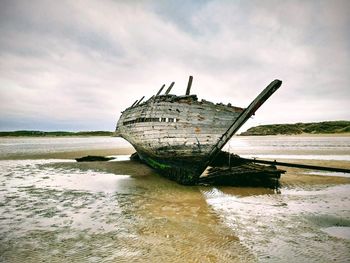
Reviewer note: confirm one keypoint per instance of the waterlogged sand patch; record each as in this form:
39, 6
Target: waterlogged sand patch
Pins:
293, 225
68, 154
286, 209
132, 168
67, 211
338, 231
56, 210
60, 198
296, 176
323, 173
298, 157
54, 220
335, 226
66, 245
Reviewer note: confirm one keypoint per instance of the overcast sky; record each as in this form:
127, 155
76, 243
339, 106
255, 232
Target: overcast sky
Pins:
75, 65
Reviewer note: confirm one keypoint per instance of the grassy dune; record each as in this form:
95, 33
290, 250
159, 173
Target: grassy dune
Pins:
326, 127
53, 133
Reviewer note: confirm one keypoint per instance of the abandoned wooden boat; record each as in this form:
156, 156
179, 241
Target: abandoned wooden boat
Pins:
180, 135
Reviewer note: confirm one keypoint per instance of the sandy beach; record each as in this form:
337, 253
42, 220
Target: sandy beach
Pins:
54, 208
70, 154
292, 176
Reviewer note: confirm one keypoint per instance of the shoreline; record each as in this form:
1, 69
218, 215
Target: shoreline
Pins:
70, 154
57, 136
293, 176
346, 134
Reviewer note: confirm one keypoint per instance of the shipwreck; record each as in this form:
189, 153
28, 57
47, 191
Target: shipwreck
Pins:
180, 136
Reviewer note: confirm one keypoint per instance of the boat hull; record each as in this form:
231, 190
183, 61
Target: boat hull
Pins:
179, 135
184, 171
175, 135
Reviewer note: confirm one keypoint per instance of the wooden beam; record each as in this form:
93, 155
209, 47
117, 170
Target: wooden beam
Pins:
243, 117
134, 103
170, 87
189, 85
296, 165
160, 90
140, 101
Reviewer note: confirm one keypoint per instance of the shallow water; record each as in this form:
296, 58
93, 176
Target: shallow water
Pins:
290, 226
43, 145
52, 212
61, 211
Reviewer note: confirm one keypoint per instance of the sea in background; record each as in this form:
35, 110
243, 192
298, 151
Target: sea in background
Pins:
53, 209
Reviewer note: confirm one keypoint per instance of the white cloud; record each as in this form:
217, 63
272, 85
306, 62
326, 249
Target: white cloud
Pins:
76, 65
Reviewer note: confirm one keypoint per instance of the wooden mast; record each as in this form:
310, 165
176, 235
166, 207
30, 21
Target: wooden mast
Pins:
160, 90
189, 85
170, 87
242, 118
140, 101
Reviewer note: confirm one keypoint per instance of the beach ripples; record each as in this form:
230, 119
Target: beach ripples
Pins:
63, 211
277, 226
50, 212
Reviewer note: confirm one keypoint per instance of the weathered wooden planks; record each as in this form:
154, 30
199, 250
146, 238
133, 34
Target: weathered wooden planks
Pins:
179, 134
230, 169
196, 125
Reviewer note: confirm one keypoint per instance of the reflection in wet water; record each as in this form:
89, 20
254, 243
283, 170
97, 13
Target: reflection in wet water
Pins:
52, 212
62, 211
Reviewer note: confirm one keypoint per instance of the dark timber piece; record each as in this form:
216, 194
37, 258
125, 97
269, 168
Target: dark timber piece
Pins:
245, 174
189, 85
296, 165
94, 158
160, 90
134, 103
242, 118
170, 87
140, 101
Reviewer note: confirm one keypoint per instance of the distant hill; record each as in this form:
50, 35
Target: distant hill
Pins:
54, 133
326, 127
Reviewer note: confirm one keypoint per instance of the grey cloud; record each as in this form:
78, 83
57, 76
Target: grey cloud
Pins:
80, 63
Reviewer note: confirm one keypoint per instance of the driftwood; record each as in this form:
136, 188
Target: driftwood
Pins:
230, 169
243, 175
93, 158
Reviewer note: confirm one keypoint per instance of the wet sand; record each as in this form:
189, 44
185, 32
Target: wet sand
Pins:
109, 212
69, 154
293, 176
56, 210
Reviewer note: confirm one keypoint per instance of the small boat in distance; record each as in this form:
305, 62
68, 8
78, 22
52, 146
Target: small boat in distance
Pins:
179, 135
